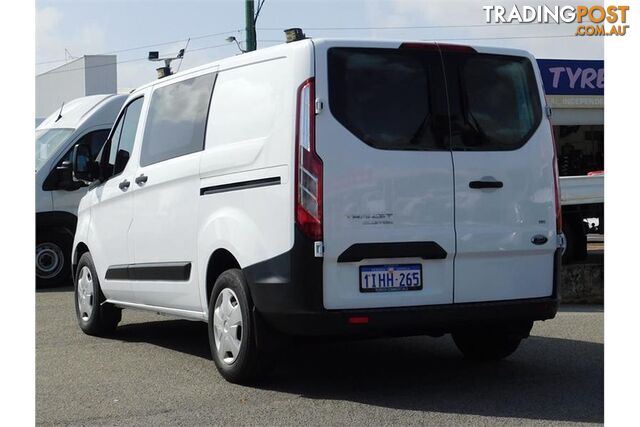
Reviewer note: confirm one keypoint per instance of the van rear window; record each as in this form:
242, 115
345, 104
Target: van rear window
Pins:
389, 98
395, 99
494, 101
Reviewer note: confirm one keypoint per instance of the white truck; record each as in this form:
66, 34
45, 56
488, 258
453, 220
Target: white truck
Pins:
581, 197
85, 121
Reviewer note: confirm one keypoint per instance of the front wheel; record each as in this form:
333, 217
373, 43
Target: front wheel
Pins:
232, 329
95, 317
53, 253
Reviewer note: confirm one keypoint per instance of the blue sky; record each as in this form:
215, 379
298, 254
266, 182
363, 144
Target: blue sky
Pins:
93, 26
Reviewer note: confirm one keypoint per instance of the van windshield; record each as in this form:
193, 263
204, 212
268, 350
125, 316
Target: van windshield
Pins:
48, 141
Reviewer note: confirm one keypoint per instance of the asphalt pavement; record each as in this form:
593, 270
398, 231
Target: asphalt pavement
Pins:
157, 370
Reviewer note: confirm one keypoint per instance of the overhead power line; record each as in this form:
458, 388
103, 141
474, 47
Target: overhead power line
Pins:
411, 27
281, 41
128, 60
149, 45
416, 27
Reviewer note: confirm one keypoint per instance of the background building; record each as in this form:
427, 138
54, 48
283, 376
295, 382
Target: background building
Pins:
88, 75
575, 92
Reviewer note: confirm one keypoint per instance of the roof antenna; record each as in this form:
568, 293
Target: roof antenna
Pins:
60, 113
68, 55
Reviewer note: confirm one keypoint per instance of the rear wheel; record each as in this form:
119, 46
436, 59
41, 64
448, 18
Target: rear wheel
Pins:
53, 252
490, 343
95, 317
232, 329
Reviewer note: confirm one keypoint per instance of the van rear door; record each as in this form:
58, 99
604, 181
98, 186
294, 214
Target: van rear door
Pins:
388, 203
504, 180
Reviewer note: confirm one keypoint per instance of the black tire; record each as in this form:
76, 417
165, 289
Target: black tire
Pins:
576, 239
248, 363
53, 255
103, 318
486, 344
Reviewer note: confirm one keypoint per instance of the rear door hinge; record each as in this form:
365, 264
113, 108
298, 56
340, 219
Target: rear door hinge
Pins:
318, 249
319, 105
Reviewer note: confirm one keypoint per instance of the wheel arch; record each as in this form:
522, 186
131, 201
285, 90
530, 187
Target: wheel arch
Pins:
56, 220
220, 261
80, 249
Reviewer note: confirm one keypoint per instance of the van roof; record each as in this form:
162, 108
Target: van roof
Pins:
283, 48
236, 60
74, 111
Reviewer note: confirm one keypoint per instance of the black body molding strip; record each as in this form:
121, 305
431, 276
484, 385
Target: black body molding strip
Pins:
242, 185
424, 250
160, 271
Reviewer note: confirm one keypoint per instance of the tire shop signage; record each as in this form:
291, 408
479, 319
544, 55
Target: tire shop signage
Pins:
573, 83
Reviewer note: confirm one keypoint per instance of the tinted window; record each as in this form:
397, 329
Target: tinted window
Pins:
120, 145
177, 120
495, 103
94, 140
112, 146
389, 98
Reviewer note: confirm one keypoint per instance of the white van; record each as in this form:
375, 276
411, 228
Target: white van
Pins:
84, 121
328, 187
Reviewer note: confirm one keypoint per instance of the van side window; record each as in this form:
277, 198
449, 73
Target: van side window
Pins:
94, 140
120, 146
177, 119
390, 98
495, 103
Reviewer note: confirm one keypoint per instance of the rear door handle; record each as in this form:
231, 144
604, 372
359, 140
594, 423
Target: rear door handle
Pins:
485, 184
124, 185
142, 179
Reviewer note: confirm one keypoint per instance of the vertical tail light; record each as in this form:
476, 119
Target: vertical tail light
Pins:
556, 183
308, 169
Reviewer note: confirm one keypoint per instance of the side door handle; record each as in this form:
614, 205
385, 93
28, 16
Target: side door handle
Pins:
142, 179
124, 185
485, 184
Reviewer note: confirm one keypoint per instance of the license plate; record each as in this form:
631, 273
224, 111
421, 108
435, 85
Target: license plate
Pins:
389, 278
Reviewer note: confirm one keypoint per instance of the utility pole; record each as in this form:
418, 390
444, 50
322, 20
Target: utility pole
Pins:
250, 23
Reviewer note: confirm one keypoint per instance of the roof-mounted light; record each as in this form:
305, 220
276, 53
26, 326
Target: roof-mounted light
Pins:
294, 34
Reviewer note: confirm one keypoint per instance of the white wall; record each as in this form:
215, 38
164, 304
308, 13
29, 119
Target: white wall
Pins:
89, 75
101, 74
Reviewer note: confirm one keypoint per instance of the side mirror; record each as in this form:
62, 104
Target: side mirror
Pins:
85, 169
65, 166
64, 177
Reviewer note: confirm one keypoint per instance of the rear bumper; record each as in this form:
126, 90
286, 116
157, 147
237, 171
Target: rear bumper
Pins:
287, 293
423, 320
